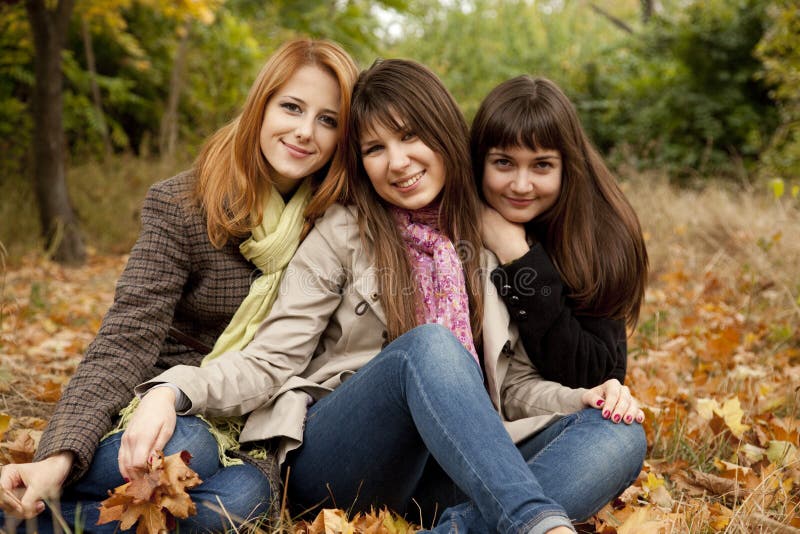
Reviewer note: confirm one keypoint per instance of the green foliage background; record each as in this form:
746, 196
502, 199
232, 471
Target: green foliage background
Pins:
700, 88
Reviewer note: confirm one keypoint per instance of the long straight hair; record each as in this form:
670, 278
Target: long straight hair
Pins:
591, 233
234, 177
403, 95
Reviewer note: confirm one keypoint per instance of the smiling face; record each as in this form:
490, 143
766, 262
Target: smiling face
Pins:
403, 170
521, 183
300, 127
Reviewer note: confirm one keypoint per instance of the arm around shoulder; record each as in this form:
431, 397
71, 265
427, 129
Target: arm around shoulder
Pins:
566, 347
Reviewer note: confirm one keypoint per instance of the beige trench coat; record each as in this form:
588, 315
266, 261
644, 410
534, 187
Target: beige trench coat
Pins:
325, 325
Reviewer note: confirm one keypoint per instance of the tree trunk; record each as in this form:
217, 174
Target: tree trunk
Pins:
168, 133
647, 10
59, 224
96, 98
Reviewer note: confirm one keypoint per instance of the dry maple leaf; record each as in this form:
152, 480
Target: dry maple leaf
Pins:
20, 450
153, 500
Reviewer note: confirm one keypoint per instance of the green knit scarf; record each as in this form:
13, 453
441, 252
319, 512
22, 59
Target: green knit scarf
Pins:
270, 247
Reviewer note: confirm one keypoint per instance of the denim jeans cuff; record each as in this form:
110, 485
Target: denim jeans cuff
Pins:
548, 522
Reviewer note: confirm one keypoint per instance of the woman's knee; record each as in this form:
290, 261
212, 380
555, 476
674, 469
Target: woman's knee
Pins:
242, 492
623, 445
192, 434
434, 345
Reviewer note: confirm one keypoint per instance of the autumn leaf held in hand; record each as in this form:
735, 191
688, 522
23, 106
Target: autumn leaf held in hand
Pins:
155, 498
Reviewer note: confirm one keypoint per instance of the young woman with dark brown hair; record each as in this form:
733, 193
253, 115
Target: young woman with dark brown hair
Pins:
214, 243
574, 263
387, 370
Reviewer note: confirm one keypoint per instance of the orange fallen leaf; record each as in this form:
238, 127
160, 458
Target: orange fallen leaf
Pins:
49, 391
151, 501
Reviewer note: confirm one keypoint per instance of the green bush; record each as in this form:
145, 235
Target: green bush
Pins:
779, 51
685, 95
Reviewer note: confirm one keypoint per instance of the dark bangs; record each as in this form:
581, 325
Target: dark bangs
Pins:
390, 97
522, 123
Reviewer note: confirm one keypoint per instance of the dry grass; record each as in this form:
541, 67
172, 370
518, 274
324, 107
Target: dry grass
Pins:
106, 197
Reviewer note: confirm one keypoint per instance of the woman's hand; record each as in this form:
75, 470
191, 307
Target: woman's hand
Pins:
36, 480
506, 239
615, 400
150, 428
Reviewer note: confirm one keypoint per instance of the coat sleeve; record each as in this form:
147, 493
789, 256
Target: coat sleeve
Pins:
128, 344
238, 382
574, 350
524, 393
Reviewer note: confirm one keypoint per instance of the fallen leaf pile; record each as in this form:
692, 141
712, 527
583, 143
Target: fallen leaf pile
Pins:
720, 389
330, 521
715, 361
156, 499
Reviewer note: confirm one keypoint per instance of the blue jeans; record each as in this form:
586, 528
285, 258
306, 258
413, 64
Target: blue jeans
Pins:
582, 461
243, 490
421, 402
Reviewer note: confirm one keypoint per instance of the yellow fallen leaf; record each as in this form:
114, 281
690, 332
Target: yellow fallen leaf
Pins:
730, 412
395, 524
753, 453
646, 520
653, 481
706, 408
5, 421
336, 522
720, 516
781, 452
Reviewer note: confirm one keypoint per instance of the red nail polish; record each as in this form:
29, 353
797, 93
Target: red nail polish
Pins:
606, 413
600, 402
628, 418
126, 479
616, 418
640, 418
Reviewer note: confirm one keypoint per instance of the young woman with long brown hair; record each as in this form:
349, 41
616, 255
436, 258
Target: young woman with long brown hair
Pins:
574, 263
214, 243
387, 369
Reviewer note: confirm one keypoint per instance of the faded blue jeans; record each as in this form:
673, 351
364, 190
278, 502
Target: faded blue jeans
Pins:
243, 490
380, 437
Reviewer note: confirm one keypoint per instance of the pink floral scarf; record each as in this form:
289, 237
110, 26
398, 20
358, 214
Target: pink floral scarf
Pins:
438, 272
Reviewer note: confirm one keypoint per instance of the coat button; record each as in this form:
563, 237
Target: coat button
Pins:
514, 300
505, 290
522, 314
374, 297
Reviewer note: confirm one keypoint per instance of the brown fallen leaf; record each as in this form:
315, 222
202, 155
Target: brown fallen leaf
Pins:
153, 500
21, 449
